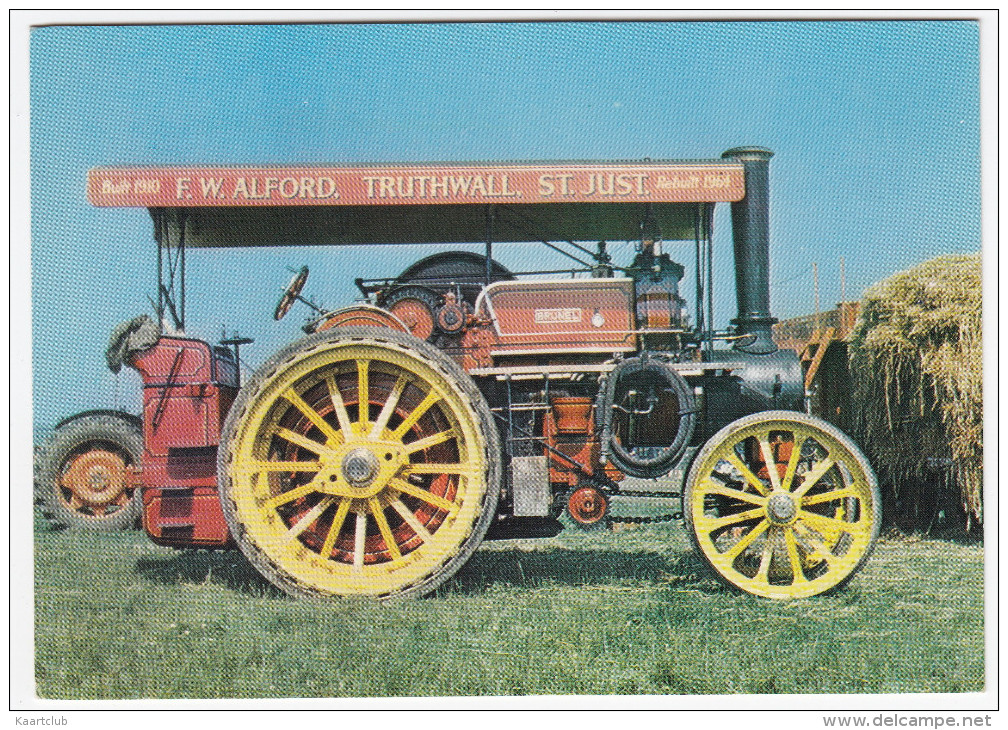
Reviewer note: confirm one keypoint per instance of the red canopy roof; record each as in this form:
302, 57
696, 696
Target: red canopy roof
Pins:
681, 182
424, 203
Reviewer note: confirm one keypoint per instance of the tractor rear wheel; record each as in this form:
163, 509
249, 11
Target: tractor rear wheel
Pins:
359, 462
782, 505
83, 480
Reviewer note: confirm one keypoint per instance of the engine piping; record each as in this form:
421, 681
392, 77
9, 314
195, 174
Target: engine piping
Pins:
611, 448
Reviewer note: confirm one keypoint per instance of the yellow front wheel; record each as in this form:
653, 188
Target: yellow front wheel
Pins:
782, 505
359, 462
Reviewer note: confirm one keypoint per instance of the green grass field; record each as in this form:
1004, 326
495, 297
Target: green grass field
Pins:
583, 613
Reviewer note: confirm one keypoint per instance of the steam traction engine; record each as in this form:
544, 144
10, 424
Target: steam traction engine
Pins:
460, 401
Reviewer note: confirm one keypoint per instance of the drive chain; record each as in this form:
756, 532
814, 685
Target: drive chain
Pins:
626, 520
616, 519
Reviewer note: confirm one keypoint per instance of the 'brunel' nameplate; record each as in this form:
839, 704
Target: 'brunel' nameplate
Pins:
558, 316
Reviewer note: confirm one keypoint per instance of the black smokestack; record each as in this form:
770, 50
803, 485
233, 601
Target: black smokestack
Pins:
751, 232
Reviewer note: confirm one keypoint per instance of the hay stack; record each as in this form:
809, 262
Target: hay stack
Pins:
916, 362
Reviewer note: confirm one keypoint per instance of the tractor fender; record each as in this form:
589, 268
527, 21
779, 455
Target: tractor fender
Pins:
101, 412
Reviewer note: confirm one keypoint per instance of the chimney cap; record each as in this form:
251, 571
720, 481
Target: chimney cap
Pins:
748, 153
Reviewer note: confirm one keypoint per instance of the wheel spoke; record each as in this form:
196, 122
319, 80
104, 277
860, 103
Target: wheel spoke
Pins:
359, 535
310, 413
811, 477
383, 528
854, 529
715, 488
388, 408
816, 545
255, 465
735, 550
410, 519
844, 493
797, 575
770, 461
303, 491
337, 400
764, 565
334, 530
418, 412
303, 441
401, 485
465, 469
428, 441
792, 466
751, 478
362, 391
713, 523
309, 517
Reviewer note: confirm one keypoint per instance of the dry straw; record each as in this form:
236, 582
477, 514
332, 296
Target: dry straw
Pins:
916, 361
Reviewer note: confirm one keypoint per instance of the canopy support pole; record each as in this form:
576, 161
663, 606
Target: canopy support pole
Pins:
171, 267
489, 243
183, 218
698, 287
159, 235
709, 236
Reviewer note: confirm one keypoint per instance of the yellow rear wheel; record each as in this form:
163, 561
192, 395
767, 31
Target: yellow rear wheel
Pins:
782, 505
359, 462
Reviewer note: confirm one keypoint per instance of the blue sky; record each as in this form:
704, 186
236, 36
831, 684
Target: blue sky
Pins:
875, 126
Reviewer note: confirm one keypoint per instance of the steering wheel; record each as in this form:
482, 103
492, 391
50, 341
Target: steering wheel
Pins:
291, 293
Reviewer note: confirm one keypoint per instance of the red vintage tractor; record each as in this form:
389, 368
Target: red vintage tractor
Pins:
461, 401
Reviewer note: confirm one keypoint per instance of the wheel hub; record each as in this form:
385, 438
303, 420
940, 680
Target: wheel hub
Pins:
360, 467
100, 479
96, 477
781, 508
